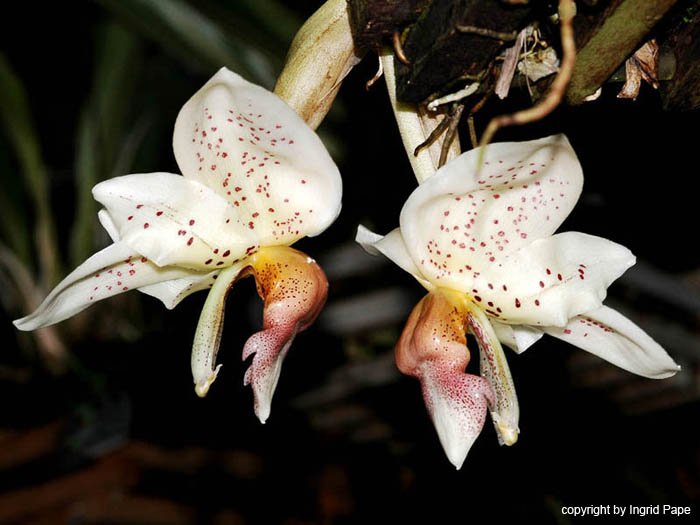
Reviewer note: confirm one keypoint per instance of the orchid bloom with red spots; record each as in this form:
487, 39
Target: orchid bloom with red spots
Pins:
480, 238
255, 179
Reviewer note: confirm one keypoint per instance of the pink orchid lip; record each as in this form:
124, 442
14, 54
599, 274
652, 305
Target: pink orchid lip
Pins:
433, 349
294, 289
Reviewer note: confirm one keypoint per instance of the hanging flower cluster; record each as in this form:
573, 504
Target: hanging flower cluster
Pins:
478, 234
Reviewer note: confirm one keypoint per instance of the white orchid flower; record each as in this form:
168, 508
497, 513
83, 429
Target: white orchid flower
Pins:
255, 179
480, 239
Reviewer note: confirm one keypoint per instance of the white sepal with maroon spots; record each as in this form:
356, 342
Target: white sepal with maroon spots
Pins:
174, 221
251, 148
611, 336
171, 292
111, 271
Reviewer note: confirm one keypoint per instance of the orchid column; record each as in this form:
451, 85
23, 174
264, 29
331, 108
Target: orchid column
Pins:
255, 179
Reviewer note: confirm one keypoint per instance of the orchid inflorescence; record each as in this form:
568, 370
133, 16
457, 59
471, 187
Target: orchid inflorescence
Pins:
479, 234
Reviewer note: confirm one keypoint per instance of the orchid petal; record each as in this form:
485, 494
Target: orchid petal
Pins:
517, 337
543, 284
432, 348
393, 247
551, 280
174, 221
208, 334
611, 336
111, 271
294, 289
251, 148
493, 366
171, 292
522, 192
108, 224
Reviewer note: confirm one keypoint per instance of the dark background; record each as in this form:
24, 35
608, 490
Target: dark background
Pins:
349, 440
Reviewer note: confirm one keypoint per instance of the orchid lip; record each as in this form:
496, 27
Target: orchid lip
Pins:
294, 289
433, 349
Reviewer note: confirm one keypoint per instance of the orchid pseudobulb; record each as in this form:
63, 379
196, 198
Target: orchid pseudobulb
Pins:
255, 179
480, 238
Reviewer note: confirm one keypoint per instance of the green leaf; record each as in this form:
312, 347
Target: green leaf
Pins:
101, 129
191, 35
16, 119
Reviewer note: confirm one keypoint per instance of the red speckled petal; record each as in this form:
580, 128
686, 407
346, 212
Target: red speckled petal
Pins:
294, 289
250, 147
174, 221
611, 336
112, 271
170, 293
463, 220
550, 281
432, 348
